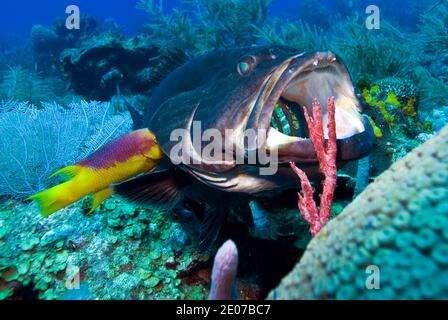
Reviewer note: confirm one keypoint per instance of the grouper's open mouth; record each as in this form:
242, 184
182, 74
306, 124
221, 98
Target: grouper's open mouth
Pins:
295, 84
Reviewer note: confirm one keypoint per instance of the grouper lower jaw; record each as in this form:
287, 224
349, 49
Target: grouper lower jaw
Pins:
348, 149
308, 77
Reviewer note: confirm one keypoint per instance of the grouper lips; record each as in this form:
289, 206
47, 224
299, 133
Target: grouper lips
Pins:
295, 83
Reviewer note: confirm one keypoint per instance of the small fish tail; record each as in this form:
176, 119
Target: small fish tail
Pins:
55, 198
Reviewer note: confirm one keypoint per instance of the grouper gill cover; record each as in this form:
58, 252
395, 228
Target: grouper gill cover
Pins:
223, 150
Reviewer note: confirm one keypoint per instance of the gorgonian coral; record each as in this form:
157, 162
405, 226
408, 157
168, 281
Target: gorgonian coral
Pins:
373, 54
432, 40
298, 34
326, 154
205, 24
37, 142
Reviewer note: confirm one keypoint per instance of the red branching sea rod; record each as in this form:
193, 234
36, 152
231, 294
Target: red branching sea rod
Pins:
326, 155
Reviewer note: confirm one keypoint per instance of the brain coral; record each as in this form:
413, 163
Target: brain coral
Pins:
404, 89
398, 224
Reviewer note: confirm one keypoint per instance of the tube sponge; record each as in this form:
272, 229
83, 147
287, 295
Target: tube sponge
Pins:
224, 272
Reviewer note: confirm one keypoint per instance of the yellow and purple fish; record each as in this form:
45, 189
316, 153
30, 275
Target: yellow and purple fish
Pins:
125, 157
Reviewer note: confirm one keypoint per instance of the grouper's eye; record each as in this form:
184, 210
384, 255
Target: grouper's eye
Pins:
245, 66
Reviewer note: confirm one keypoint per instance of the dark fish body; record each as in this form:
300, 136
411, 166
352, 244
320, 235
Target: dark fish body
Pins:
240, 89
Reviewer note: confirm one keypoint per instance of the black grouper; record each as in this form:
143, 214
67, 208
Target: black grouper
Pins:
242, 89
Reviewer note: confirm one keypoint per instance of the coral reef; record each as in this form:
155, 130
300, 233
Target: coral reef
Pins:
99, 64
432, 40
298, 34
37, 142
437, 117
122, 252
373, 54
276, 220
49, 42
432, 91
400, 89
15, 52
392, 94
204, 25
398, 224
275, 223
398, 116
31, 86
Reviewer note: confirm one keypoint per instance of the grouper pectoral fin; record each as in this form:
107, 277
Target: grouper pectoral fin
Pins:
159, 189
211, 225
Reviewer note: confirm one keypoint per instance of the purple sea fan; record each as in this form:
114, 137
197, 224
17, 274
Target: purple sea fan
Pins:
224, 272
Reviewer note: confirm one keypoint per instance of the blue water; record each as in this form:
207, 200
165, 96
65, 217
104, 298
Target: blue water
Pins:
17, 17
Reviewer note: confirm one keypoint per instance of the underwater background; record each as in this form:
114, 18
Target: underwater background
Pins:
64, 94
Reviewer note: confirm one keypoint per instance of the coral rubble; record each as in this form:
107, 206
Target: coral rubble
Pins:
122, 252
